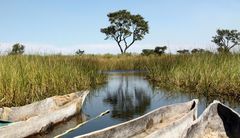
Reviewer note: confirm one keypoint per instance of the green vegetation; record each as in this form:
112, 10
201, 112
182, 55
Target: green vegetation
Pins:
159, 50
125, 29
226, 40
184, 51
17, 49
123, 62
24, 79
79, 52
200, 51
209, 74
28, 78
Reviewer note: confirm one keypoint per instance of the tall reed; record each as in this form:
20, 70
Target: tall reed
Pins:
24, 79
211, 74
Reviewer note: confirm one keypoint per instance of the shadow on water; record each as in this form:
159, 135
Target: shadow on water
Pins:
130, 95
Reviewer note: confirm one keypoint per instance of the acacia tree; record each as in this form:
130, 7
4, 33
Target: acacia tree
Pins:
226, 40
125, 28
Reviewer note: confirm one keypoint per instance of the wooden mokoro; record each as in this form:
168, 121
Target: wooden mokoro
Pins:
37, 117
167, 121
217, 121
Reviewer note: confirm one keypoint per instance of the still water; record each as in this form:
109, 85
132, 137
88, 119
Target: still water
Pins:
129, 95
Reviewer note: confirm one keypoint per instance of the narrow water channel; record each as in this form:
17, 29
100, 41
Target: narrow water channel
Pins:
129, 95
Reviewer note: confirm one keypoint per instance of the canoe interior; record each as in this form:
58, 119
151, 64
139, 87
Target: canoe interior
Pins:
231, 121
158, 119
216, 121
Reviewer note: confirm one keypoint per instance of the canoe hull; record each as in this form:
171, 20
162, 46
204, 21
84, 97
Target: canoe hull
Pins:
41, 122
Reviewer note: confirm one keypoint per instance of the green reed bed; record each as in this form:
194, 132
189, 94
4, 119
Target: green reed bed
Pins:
122, 62
24, 79
211, 74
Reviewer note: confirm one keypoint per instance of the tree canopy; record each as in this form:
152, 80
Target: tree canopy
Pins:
226, 40
17, 49
159, 50
125, 28
79, 52
184, 51
200, 51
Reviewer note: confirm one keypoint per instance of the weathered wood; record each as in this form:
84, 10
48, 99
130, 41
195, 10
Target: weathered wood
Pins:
217, 121
37, 117
166, 121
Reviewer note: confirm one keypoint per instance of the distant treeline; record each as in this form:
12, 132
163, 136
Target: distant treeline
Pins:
224, 39
161, 50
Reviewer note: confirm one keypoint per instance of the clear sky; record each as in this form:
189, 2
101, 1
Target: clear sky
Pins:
66, 25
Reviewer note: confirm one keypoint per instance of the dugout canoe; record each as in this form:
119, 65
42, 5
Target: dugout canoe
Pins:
217, 121
165, 122
39, 116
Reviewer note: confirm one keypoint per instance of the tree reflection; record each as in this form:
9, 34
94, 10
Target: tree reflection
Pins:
127, 100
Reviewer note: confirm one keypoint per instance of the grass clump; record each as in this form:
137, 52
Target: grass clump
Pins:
211, 74
25, 79
122, 62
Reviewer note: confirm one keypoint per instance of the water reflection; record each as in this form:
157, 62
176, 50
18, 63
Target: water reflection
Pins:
127, 100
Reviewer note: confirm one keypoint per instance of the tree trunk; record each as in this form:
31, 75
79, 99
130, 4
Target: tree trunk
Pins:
120, 48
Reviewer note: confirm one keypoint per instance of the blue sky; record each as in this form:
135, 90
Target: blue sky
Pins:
66, 25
